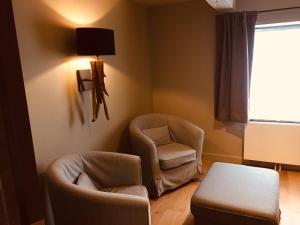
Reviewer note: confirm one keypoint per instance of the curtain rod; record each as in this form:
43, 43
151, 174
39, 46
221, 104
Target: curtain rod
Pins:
281, 9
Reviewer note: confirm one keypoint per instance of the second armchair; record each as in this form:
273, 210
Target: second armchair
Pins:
170, 149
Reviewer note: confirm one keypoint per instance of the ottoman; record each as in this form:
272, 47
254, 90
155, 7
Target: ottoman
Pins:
233, 194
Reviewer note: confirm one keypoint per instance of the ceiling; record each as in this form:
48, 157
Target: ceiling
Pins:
158, 2
217, 4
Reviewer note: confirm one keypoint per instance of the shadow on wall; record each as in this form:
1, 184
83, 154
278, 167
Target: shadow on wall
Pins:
124, 145
56, 38
76, 100
236, 129
121, 135
52, 43
217, 149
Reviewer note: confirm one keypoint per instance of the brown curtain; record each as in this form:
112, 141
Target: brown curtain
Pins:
235, 40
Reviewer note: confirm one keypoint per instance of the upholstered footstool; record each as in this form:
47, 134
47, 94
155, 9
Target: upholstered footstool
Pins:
237, 195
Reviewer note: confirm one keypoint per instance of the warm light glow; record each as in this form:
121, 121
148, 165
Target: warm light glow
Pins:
80, 63
275, 92
81, 11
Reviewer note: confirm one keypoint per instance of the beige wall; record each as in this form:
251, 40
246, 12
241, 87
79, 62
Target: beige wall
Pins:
61, 118
183, 47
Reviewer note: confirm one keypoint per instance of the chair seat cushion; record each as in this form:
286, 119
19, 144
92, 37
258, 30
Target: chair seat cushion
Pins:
137, 190
174, 154
237, 194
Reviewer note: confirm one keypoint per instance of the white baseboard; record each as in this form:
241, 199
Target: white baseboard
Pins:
222, 158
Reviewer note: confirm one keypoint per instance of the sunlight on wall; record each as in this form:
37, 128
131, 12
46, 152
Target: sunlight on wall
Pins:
82, 11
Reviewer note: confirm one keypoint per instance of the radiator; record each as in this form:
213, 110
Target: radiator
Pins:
272, 142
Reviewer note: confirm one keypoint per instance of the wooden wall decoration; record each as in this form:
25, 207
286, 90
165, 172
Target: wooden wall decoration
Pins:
94, 80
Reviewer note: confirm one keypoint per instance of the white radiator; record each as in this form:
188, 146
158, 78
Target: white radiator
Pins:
272, 142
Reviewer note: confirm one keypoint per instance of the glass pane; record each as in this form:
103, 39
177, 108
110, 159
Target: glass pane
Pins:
275, 82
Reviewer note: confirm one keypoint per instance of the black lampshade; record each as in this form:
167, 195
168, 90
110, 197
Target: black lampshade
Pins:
95, 41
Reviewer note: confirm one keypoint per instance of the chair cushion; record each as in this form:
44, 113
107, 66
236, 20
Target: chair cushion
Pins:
137, 190
159, 135
174, 154
237, 194
85, 181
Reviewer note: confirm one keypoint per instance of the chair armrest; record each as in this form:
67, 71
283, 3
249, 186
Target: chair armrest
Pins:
76, 205
144, 147
110, 169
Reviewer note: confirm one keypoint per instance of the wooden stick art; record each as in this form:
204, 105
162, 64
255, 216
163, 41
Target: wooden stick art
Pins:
98, 89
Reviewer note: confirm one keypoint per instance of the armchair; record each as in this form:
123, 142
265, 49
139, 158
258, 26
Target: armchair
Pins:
171, 164
121, 199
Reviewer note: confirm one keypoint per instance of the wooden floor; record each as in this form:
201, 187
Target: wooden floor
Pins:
173, 208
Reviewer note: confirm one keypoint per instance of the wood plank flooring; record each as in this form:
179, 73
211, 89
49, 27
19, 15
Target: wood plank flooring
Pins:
173, 208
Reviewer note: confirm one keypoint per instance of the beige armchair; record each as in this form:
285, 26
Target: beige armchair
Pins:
111, 192
170, 149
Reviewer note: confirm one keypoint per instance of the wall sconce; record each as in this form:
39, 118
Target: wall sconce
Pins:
96, 42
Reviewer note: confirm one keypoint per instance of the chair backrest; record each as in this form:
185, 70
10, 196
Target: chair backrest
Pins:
98, 165
178, 127
69, 203
175, 124
67, 168
150, 121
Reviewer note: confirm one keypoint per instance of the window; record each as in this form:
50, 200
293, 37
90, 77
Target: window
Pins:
275, 81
